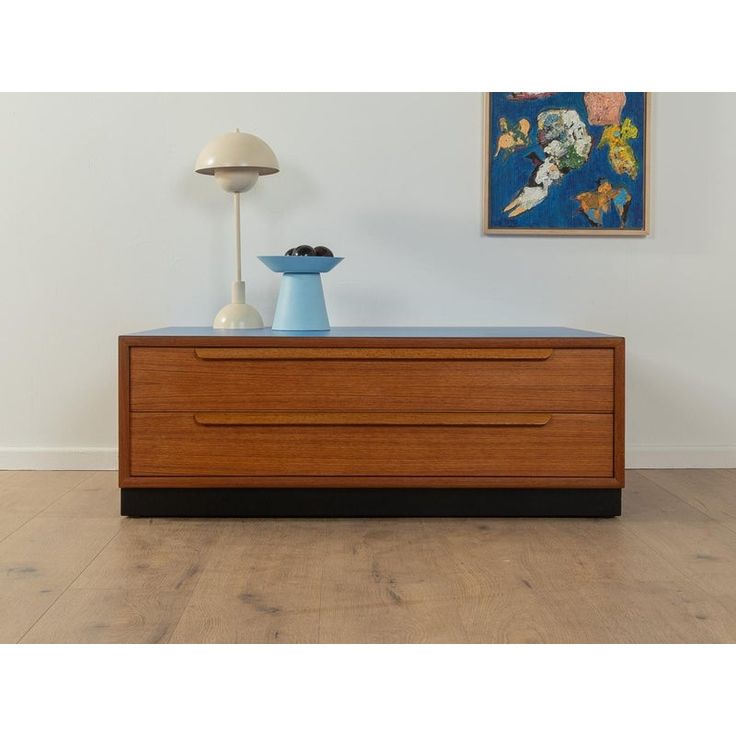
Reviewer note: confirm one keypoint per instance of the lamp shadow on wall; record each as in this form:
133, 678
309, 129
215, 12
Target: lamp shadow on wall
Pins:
272, 203
291, 190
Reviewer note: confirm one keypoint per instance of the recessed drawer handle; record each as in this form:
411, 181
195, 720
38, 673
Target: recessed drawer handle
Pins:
373, 353
476, 419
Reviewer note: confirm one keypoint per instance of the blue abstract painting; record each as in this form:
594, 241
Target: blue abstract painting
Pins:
566, 163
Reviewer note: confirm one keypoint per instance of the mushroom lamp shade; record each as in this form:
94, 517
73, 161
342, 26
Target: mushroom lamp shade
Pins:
236, 160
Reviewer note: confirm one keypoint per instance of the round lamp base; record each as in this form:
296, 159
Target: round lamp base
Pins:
238, 317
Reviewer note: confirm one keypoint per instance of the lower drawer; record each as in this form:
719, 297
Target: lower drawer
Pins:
556, 445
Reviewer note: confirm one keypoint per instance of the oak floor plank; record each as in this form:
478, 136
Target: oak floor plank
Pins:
39, 561
6, 475
25, 493
10, 523
541, 553
506, 578
549, 580
385, 580
159, 555
631, 612
710, 490
690, 540
75, 572
566, 580
701, 548
30, 491
108, 616
96, 497
261, 584
136, 588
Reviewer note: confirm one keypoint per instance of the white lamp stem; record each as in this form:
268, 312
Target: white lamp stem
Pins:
236, 203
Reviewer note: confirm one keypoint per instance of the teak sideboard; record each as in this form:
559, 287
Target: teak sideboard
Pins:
371, 422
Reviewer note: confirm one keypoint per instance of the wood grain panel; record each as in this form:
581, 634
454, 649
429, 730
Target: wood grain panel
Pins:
619, 412
174, 379
206, 482
175, 444
124, 378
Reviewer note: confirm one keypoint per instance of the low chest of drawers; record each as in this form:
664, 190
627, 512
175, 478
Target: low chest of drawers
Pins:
371, 422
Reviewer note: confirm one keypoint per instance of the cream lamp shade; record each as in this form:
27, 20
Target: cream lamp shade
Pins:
236, 160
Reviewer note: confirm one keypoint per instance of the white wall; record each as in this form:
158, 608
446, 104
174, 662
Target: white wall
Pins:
105, 229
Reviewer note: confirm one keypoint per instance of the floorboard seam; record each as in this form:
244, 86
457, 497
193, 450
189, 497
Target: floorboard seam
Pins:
58, 498
685, 501
688, 576
321, 581
58, 597
188, 600
448, 547
692, 580
10, 474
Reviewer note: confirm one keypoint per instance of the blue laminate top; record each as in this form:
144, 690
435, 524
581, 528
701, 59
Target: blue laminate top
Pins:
463, 332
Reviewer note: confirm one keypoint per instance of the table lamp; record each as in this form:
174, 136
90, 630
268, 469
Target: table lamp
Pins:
236, 160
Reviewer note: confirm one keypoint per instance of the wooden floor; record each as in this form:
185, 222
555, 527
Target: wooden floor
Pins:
72, 570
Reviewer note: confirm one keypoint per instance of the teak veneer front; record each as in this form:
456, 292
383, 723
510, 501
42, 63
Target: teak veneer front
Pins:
452, 379
494, 408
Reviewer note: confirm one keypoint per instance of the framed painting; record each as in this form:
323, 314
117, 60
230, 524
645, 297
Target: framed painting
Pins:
566, 163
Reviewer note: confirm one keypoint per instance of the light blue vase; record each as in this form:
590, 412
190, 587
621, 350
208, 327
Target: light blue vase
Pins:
301, 303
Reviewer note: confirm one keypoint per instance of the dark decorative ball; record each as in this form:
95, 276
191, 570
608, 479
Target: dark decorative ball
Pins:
303, 250
290, 252
323, 251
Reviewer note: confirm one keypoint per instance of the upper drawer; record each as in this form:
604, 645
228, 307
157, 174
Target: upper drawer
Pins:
368, 379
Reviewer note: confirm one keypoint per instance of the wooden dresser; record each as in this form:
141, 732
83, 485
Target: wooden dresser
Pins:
371, 421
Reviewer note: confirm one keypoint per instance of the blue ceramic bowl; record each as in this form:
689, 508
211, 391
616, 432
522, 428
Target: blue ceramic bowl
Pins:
300, 264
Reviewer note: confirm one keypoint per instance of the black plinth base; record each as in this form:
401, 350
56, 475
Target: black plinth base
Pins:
368, 502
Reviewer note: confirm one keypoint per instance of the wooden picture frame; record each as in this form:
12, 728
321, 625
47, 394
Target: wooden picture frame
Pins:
611, 218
